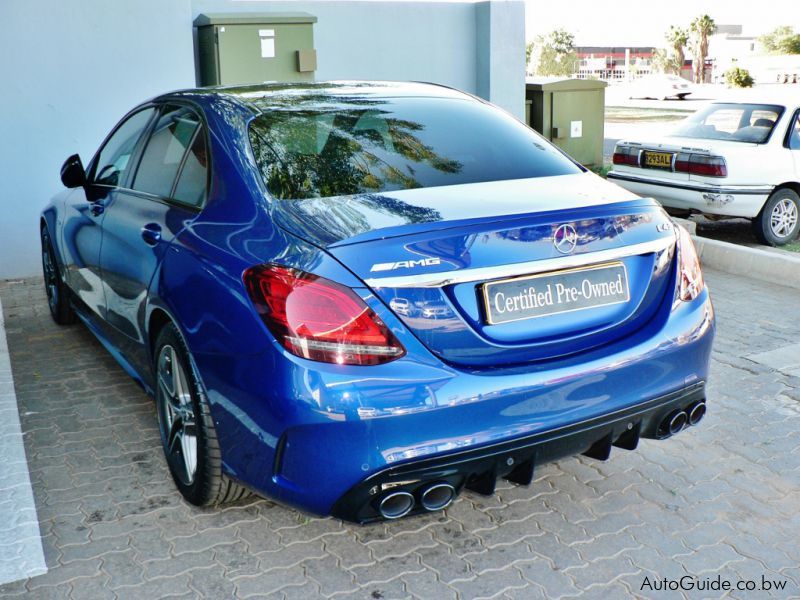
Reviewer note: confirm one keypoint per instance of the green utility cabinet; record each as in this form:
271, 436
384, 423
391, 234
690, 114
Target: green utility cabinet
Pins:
239, 48
570, 113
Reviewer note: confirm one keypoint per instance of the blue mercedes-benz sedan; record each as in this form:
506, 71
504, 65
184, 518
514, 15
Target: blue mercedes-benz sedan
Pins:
361, 298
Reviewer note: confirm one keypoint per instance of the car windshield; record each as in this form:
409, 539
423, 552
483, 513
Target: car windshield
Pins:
334, 145
731, 121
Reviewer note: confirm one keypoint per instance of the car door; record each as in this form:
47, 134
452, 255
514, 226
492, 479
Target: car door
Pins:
84, 210
165, 192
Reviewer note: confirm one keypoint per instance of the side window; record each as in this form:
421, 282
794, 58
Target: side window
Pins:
794, 133
113, 161
172, 136
191, 185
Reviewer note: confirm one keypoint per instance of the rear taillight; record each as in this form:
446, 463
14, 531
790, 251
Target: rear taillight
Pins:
690, 282
318, 319
701, 164
626, 155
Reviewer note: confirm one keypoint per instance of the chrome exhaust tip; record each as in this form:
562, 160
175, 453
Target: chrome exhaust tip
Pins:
438, 496
696, 413
396, 505
677, 421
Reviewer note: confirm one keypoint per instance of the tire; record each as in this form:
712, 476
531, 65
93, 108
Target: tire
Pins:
779, 221
188, 436
58, 294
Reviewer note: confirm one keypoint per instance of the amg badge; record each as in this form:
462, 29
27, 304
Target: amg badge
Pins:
405, 264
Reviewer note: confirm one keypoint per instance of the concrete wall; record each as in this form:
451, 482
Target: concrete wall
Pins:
478, 47
69, 70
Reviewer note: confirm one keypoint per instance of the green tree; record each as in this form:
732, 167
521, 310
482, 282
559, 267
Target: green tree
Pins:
664, 62
677, 37
702, 27
554, 53
781, 40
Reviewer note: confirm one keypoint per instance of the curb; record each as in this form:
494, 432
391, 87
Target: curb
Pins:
749, 262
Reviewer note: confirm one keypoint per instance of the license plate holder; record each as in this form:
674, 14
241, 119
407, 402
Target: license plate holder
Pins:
555, 292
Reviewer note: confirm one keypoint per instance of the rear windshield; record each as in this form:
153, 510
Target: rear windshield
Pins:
729, 121
358, 145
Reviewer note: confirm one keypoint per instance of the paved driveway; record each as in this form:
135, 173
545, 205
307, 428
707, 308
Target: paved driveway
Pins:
719, 500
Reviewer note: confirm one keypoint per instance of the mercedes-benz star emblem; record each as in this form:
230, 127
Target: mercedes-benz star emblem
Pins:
565, 239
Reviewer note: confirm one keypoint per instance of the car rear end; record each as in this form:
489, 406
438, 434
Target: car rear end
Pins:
707, 164
494, 325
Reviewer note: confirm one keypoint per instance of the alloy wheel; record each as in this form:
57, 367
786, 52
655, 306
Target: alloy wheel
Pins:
783, 218
177, 415
50, 274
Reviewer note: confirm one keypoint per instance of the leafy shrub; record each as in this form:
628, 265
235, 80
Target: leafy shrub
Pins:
738, 77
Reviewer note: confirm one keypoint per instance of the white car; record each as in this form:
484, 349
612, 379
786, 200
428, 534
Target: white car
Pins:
659, 87
730, 159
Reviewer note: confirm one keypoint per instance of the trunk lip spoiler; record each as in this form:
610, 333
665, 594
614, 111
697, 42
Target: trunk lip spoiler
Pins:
444, 278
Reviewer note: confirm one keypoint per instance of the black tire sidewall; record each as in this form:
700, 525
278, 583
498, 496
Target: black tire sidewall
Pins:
61, 310
198, 491
761, 225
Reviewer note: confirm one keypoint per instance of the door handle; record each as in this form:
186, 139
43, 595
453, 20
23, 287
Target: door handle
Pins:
151, 233
97, 209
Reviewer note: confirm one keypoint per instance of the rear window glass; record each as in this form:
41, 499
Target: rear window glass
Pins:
729, 121
366, 145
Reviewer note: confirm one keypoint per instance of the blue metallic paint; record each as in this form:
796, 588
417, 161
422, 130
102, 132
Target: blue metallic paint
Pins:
460, 385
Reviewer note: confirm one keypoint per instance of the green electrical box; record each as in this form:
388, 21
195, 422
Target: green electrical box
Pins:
239, 48
570, 113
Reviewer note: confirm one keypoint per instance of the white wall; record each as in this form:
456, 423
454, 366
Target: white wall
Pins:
71, 69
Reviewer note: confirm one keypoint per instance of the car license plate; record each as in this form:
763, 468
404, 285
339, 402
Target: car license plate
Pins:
557, 292
657, 160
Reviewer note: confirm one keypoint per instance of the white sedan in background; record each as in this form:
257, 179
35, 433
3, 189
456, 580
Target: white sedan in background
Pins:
730, 159
658, 87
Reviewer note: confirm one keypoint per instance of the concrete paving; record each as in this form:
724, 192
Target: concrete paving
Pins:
719, 500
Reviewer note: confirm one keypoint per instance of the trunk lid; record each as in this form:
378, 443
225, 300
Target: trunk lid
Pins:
438, 257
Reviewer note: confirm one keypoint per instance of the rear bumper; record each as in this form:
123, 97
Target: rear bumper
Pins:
516, 460
309, 434
732, 201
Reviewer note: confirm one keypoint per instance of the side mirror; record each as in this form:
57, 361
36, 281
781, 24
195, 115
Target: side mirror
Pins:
72, 173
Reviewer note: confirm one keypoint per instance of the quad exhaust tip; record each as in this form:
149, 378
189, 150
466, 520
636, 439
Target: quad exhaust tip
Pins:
677, 421
696, 413
438, 496
396, 505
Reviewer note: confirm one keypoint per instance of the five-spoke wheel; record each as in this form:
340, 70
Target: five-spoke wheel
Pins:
176, 415
187, 429
779, 221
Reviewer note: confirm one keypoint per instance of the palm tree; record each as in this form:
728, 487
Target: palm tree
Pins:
701, 28
677, 37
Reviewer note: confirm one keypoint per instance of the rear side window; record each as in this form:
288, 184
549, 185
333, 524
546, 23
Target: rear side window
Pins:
174, 133
113, 160
191, 185
370, 145
794, 132
731, 121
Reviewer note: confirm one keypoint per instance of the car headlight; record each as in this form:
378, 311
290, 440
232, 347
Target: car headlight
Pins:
690, 276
